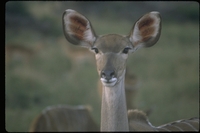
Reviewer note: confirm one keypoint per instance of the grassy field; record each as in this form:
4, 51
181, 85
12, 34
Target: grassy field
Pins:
168, 74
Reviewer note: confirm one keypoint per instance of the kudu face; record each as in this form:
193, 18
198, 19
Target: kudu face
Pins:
111, 57
112, 50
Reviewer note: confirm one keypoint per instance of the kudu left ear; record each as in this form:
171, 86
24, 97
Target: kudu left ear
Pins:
146, 31
78, 29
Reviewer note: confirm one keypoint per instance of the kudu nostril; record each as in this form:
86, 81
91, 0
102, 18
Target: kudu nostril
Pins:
107, 74
112, 74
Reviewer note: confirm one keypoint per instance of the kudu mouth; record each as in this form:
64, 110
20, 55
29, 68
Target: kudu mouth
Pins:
109, 83
108, 78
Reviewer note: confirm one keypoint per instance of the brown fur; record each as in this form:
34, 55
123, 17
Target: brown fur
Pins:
78, 26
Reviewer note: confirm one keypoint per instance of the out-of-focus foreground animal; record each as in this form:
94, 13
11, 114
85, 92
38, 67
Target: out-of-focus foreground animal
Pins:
64, 118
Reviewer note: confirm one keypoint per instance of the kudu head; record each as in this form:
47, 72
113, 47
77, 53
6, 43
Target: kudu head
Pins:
112, 50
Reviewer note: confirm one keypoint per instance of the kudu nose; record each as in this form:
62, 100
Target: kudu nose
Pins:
107, 74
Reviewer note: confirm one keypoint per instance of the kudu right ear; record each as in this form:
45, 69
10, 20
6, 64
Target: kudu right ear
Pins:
146, 30
77, 29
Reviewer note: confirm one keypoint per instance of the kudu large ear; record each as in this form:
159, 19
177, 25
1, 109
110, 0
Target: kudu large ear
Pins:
77, 29
146, 30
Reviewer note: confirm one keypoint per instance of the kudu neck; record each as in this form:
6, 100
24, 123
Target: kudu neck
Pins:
113, 111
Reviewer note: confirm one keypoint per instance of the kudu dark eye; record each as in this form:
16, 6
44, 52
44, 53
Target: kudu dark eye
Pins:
95, 50
125, 51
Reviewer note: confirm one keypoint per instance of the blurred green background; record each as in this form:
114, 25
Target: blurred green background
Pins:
43, 69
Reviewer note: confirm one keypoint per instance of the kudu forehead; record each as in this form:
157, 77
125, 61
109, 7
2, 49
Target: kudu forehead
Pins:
111, 43
110, 59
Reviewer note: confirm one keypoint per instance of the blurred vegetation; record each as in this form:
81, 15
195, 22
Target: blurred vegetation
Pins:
168, 72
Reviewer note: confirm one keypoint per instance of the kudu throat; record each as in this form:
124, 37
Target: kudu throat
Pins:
114, 111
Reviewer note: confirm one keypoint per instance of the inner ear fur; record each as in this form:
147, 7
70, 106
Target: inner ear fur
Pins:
146, 31
78, 29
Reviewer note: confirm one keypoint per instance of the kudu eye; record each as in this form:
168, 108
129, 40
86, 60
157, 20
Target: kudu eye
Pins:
95, 50
125, 51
